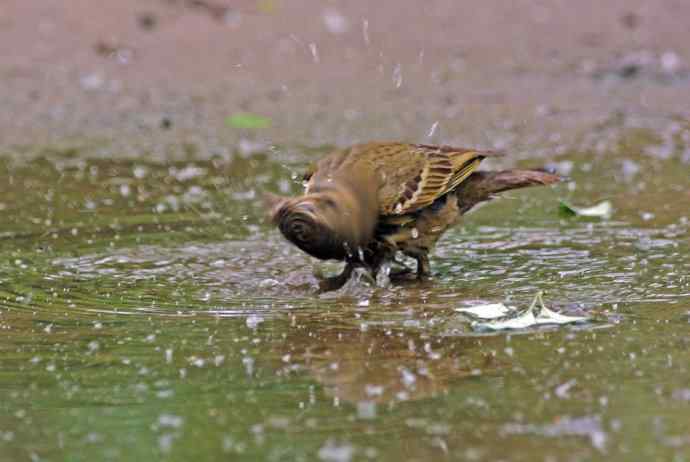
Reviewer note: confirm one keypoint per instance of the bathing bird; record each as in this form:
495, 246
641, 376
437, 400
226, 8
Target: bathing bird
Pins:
367, 203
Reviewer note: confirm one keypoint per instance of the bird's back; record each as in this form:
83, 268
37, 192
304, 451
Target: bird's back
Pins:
409, 177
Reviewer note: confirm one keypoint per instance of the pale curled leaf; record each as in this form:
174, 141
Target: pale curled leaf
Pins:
498, 316
489, 311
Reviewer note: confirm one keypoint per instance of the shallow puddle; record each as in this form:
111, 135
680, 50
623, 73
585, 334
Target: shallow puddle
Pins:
148, 312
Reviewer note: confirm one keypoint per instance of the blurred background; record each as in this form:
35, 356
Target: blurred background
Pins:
161, 74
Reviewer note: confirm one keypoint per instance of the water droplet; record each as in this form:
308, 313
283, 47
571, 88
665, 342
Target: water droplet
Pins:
170, 421
91, 82
432, 130
93, 346
314, 52
165, 443
196, 361
397, 76
373, 390
253, 321
333, 452
335, 22
408, 378
366, 410
248, 363
670, 61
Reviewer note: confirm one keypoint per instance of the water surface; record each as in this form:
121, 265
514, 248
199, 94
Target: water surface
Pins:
149, 312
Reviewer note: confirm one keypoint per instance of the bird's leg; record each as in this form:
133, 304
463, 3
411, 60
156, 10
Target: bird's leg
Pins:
369, 274
423, 266
422, 257
336, 282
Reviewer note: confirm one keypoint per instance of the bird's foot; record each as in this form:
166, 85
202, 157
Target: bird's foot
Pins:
423, 267
329, 284
332, 283
365, 274
400, 270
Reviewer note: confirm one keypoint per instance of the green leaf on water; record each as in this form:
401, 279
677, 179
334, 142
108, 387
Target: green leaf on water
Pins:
601, 210
248, 120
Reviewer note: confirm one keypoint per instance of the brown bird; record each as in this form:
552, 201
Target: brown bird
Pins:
365, 203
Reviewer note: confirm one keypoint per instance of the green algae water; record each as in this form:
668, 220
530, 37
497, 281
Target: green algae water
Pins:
149, 312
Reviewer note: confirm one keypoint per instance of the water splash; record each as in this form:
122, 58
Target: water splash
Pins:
365, 31
432, 130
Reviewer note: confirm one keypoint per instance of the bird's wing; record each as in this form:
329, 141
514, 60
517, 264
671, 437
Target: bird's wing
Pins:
419, 174
411, 176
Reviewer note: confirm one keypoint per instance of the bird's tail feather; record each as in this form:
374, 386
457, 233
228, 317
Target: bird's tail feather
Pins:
482, 186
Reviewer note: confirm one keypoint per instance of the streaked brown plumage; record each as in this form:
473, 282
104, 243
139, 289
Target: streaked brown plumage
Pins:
363, 204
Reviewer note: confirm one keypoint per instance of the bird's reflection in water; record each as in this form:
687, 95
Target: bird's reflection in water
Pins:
381, 363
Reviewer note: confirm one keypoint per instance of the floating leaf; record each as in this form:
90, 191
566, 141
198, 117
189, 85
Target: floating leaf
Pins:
601, 210
498, 316
248, 120
489, 311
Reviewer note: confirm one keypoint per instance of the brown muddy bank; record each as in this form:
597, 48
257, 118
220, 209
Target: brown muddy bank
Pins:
162, 76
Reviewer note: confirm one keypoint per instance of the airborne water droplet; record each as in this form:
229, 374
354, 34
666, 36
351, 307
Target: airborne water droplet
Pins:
335, 22
248, 363
432, 130
397, 76
314, 52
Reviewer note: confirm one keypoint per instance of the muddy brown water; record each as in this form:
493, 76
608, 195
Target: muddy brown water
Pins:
148, 312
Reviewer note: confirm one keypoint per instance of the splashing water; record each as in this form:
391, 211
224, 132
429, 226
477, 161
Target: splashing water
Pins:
432, 130
365, 31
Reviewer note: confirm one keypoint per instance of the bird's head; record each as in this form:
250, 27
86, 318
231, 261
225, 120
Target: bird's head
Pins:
326, 225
